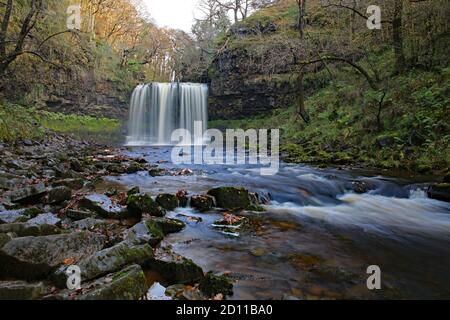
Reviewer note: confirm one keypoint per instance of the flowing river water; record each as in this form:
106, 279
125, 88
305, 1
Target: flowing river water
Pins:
317, 237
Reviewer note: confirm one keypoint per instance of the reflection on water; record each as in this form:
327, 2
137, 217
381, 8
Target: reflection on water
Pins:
317, 237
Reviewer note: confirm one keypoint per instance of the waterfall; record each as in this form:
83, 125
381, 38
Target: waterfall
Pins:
157, 109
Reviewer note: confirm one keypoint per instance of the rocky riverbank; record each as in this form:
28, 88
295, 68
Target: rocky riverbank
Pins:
53, 217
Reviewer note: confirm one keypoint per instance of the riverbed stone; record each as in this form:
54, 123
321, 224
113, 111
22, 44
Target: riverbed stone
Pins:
74, 184
12, 216
104, 206
202, 203
212, 285
21, 290
107, 261
174, 268
139, 204
29, 194
59, 194
167, 201
231, 198
46, 218
153, 230
35, 257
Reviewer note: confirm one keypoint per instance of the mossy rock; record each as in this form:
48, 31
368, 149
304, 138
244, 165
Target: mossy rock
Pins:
212, 285
139, 204
168, 201
202, 203
231, 198
21, 290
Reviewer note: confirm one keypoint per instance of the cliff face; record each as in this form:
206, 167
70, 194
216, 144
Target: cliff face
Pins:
239, 86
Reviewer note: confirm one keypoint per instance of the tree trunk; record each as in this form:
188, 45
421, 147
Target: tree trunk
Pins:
301, 17
4, 28
397, 37
301, 110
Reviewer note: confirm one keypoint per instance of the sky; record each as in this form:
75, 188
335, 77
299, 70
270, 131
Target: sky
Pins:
176, 14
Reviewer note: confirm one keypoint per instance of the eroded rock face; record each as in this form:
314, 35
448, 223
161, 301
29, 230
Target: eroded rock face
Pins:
103, 205
35, 257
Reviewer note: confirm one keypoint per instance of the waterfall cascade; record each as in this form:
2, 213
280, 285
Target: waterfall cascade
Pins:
157, 109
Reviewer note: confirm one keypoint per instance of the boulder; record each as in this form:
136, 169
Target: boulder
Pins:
361, 187
103, 205
29, 194
134, 190
36, 257
139, 204
13, 216
152, 231
107, 261
165, 225
167, 201
439, 191
174, 268
231, 198
20, 290
133, 168
202, 203
59, 194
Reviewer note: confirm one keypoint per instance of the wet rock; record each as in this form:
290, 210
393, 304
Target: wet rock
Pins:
74, 184
107, 261
35, 257
202, 203
361, 187
157, 172
21, 290
59, 194
104, 206
46, 218
174, 268
134, 190
167, 201
139, 204
440, 191
231, 198
133, 168
30, 194
153, 230
212, 285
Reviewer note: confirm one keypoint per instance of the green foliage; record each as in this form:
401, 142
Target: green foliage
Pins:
18, 122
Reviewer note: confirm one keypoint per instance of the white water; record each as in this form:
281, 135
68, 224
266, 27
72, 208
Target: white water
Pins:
158, 109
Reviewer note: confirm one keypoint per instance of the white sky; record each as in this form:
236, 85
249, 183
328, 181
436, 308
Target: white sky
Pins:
176, 14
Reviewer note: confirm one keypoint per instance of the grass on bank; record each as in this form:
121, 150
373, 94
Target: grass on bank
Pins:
414, 133
19, 122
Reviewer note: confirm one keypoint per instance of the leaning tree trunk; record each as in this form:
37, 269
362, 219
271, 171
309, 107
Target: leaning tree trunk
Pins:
397, 37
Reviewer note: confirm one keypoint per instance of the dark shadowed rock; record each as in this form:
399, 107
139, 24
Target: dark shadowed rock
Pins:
174, 268
79, 214
202, 203
29, 194
107, 261
21, 290
440, 191
134, 190
103, 205
36, 257
59, 194
167, 201
212, 285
